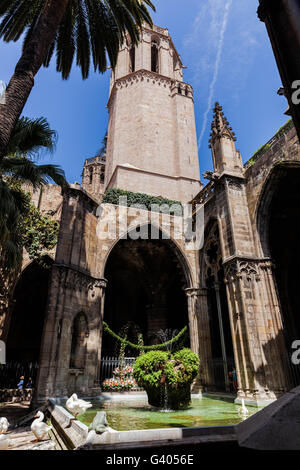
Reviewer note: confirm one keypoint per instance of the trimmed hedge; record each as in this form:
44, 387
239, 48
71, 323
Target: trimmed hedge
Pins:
159, 372
135, 199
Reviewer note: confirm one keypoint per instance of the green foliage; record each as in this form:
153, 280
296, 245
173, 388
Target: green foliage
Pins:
159, 367
90, 29
283, 130
149, 368
21, 224
40, 233
33, 231
141, 346
29, 136
135, 199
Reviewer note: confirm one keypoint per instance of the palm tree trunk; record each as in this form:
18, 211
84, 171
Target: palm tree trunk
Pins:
22, 81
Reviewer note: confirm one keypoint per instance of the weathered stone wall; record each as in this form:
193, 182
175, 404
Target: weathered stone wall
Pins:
87, 236
282, 152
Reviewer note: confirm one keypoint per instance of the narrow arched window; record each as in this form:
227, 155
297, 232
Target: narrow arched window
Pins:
80, 334
91, 175
132, 59
154, 57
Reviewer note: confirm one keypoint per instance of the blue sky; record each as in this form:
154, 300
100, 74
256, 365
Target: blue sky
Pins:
228, 57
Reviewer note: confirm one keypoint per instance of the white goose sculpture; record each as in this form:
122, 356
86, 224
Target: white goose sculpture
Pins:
4, 425
243, 411
4, 439
76, 405
40, 429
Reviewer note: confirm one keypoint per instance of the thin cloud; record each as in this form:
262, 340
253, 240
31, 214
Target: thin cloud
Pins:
216, 70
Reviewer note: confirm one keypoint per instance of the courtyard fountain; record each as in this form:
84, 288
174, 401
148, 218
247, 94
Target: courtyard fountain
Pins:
163, 374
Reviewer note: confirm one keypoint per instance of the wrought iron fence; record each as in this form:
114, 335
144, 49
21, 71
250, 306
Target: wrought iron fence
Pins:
109, 364
11, 372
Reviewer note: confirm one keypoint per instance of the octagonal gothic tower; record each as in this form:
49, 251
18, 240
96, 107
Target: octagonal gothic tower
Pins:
152, 143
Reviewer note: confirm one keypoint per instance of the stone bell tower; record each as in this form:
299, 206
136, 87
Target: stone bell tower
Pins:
152, 143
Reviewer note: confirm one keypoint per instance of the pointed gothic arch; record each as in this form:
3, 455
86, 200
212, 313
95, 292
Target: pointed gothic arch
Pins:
146, 285
27, 317
277, 217
79, 334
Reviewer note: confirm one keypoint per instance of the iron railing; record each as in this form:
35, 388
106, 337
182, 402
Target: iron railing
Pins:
109, 364
11, 372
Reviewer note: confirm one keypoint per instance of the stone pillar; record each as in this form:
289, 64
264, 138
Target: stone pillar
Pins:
102, 284
282, 19
200, 335
223, 347
205, 354
71, 292
256, 335
192, 297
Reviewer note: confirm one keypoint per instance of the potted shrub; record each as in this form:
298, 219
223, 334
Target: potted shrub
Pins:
167, 377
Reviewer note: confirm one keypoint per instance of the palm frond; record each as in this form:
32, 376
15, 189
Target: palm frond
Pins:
65, 43
30, 136
26, 171
91, 29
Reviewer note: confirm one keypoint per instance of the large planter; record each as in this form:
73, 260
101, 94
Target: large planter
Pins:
168, 397
167, 377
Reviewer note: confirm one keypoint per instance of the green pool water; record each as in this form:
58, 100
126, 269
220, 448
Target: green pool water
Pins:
128, 415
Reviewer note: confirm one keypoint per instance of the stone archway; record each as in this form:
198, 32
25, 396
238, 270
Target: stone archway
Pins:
279, 232
146, 285
28, 314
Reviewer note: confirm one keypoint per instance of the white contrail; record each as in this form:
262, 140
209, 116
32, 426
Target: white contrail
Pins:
216, 70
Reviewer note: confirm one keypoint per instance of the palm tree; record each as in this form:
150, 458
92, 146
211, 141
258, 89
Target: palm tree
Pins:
89, 28
29, 137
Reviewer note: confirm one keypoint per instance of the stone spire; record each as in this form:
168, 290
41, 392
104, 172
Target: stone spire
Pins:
222, 142
220, 126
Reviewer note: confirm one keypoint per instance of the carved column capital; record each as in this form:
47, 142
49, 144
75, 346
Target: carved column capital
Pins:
77, 280
193, 292
239, 268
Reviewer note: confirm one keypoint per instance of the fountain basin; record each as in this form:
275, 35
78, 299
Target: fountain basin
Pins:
208, 420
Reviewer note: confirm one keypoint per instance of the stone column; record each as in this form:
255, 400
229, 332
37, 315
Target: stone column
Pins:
101, 285
205, 354
257, 341
200, 334
223, 346
282, 19
192, 297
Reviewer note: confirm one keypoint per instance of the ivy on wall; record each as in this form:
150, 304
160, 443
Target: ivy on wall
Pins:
112, 196
283, 130
40, 233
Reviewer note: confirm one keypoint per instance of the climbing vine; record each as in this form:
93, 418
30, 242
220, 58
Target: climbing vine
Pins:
140, 346
112, 196
40, 233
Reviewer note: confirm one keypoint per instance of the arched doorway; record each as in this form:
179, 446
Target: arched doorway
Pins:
146, 282
279, 229
27, 318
